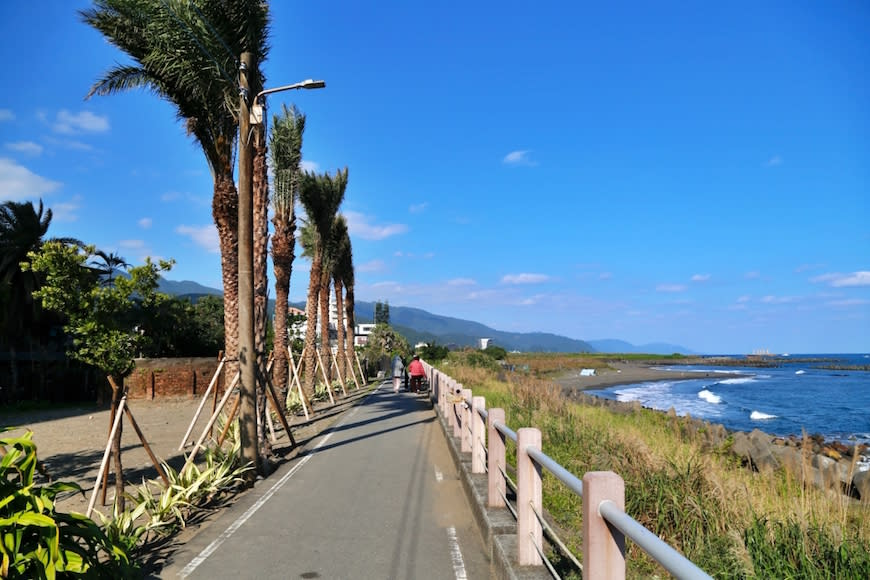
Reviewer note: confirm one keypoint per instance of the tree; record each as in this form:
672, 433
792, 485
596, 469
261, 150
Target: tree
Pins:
186, 52
103, 321
349, 280
22, 229
285, 145
341, 262
321, 196
382, 313
384, 342
106, 265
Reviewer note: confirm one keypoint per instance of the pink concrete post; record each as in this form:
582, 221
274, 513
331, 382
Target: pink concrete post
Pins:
478, 436
496, 459
456, 399
603, 547
467, 413
529, 499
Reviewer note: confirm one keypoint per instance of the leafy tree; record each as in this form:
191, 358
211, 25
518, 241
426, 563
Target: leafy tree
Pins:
107, 265
495, 352
382, 312
384, 342
103, 321
433, 352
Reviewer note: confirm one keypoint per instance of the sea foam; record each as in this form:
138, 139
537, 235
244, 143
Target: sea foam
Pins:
710, 397
799, 372
759, 416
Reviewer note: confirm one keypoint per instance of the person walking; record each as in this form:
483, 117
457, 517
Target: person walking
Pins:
417, 373
398, 372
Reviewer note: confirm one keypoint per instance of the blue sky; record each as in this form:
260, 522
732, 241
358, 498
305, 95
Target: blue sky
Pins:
693, 173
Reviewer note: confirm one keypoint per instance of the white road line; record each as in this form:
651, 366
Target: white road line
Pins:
226, 534
456, 555
439, 477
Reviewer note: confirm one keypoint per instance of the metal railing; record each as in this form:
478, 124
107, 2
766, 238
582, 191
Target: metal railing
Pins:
605, 523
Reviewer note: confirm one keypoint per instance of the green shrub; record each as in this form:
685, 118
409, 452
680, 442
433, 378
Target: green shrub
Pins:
37, 541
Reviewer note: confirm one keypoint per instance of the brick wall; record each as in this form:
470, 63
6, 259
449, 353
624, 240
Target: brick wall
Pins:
154, 378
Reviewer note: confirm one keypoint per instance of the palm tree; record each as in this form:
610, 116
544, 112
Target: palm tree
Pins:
341, 262
286, 150
186, 52
107, 265
22, 228
348, 279
321, 196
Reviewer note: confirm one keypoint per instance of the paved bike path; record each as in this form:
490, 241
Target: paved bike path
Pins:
378, 496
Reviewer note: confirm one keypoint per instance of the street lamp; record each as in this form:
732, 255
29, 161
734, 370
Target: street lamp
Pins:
250, 114
259, 105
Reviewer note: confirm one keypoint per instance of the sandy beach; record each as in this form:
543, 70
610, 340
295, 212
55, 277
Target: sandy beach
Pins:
630, 373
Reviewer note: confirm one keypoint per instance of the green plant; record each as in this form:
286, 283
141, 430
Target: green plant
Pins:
37, 541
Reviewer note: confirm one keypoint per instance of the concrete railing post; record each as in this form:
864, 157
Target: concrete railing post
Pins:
529, 499
478, 436
495, 459
456, 398
603, 546
467, 413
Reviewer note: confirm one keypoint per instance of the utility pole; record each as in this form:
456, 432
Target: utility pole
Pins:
247, 354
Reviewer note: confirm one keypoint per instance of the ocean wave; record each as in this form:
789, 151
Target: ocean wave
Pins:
710, 397
799, 372
740, 381
759, 416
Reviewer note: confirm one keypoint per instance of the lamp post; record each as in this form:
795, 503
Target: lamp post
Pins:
250, 114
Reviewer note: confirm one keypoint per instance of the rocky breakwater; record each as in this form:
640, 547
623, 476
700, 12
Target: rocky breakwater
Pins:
825, 464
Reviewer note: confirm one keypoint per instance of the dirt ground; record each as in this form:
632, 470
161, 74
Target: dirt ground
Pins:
71, 442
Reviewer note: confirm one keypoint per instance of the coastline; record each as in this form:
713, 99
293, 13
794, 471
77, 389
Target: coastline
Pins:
626, 373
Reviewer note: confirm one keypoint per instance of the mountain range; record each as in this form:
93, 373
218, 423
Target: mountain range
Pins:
418, 325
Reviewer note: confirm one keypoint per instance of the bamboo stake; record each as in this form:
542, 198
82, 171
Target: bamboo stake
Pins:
295, 376
145, 444
105, 460
210, 423
352, 372
202, 403
325, 377
359, 366
229, 422
338, 372
272, 397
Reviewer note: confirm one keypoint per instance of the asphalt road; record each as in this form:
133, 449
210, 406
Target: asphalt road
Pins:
377, 497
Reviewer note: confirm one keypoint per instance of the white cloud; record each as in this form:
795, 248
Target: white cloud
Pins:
520, 157
773, 161
778, 299
205, 237
532, 300
358, 224
461, 282
743, 299
6, 115
66, 211
418, 208
837, 280
849, 302
524, 278
700, 277
309, 166
372, 266
671, 288
132, 244
25, 147
145, 223
18, 183
85, 122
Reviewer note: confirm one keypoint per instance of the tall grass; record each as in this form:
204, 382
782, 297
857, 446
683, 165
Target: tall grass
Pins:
730, 521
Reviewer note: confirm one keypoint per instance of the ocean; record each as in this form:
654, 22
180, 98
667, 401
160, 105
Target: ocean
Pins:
790, 399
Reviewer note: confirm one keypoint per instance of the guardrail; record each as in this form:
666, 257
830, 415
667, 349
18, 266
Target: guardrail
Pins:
605, 523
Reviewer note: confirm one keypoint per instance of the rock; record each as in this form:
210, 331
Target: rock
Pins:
760, 445
789, 458
861, 483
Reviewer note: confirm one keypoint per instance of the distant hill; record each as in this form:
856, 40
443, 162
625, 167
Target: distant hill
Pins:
615, 345
421, 326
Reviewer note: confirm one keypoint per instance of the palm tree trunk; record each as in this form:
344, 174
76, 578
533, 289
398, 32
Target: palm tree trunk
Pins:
261, 282
351, 322
311, 322
339, 310
282, 296
325, 349
225, 210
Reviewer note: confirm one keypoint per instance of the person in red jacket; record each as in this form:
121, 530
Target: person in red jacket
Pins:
415, 369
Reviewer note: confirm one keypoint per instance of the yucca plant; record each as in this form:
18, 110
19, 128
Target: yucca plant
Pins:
36, 541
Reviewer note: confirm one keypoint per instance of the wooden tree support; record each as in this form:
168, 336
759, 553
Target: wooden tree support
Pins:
104, 463
294, 371
352, 372
338, 372
211, 385
362, 375
325, 376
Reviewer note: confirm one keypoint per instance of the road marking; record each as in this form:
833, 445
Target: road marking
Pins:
226, 534
439, 477
456, 555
